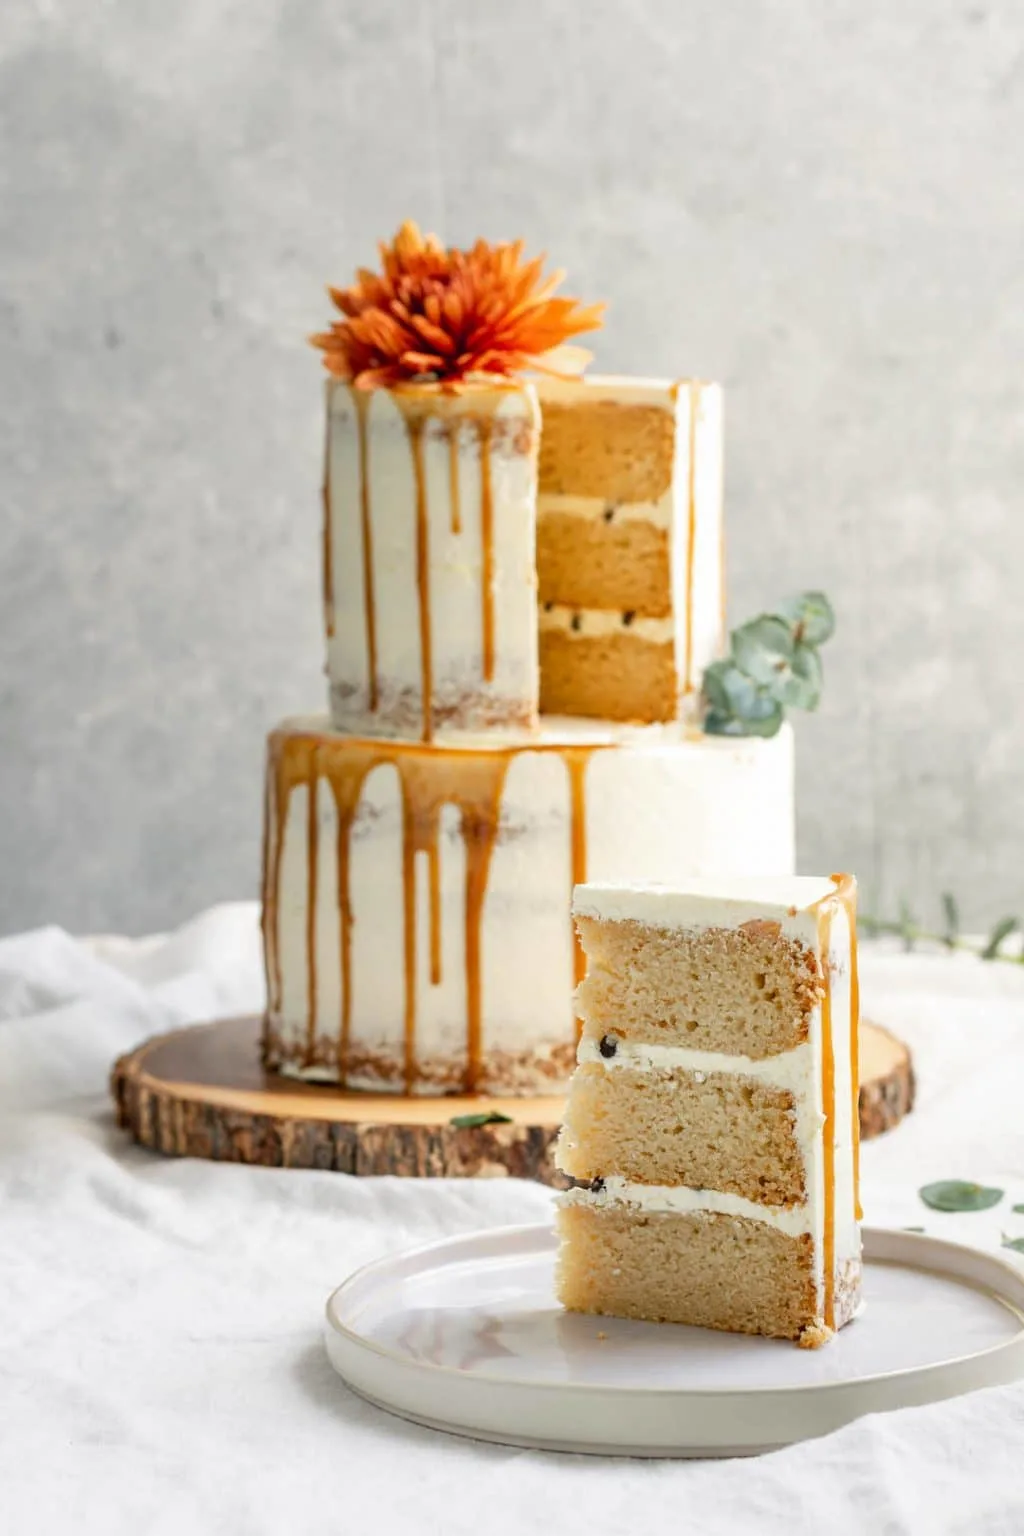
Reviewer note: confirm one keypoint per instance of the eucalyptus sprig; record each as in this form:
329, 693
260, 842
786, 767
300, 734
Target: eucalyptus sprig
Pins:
773, 664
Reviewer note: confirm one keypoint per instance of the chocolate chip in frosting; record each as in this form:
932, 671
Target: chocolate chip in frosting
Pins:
609, 511
629, 616
576, 622
608, 1045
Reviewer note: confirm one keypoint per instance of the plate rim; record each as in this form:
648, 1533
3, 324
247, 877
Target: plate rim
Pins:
870, 1235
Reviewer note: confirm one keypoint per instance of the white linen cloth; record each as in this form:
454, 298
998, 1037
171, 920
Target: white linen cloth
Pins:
161, 1364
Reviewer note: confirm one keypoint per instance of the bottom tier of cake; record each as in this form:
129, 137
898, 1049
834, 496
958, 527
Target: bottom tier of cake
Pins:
416, 898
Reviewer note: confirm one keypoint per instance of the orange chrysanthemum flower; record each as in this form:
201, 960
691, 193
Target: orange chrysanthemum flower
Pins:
444, 315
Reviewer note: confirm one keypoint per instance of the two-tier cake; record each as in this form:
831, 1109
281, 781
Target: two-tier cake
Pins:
522, 585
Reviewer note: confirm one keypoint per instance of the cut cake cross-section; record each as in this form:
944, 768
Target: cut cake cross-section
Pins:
712, 1126
629, 544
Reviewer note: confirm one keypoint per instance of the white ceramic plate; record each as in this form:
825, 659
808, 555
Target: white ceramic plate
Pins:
466, 1336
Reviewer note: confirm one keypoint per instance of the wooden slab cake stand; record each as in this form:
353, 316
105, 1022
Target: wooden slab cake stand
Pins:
202, 1092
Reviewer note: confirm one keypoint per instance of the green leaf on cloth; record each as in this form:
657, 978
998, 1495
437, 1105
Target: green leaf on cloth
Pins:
956, 1195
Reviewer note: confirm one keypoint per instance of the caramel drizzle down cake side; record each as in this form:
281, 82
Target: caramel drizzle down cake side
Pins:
444, 333
362, 409
471, 780
844, 899
691, 532
423, 411
419, 410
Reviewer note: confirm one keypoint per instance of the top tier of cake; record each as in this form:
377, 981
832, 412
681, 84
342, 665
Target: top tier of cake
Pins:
510, 549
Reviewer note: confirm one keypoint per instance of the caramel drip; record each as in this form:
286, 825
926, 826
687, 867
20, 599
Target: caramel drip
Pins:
415, 426
453, 478
723, 593
290, 761
361, 399
480, 820
312, 875
848, 895
434, 879
486, 546
271, 914
346, 777
828, 1105
691, 533
345, 919
409, 930
474, 782
267, 904
576, 760
418, 410
328, 550
845, 897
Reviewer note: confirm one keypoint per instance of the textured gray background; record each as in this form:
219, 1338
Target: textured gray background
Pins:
822, 206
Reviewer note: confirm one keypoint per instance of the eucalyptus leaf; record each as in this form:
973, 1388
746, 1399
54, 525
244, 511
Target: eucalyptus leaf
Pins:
715, 686
1018, 1210
1016, 1243
767, 724
956, 1195
811, 616
763, 648
738, 706
729, 691
951, 915
800, 684
773, 664
908, 926
1001, 931
717, 724
483, 1117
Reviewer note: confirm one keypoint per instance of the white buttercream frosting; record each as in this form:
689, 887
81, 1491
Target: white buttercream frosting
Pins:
655, 805
793, 1220
713, 901
788, 1070
455, 555
589, 623
606, 509
616, 388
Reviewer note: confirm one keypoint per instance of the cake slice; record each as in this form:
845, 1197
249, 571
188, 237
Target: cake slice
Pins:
629, 544
711, 1127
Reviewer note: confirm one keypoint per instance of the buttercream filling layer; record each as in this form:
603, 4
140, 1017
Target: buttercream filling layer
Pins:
607, 509
588, 623
790, 1070
678, 1199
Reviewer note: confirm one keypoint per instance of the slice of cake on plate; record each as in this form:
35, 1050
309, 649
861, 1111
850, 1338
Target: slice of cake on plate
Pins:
712, 1123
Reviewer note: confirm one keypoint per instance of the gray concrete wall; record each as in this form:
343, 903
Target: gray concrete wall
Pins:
822, 206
